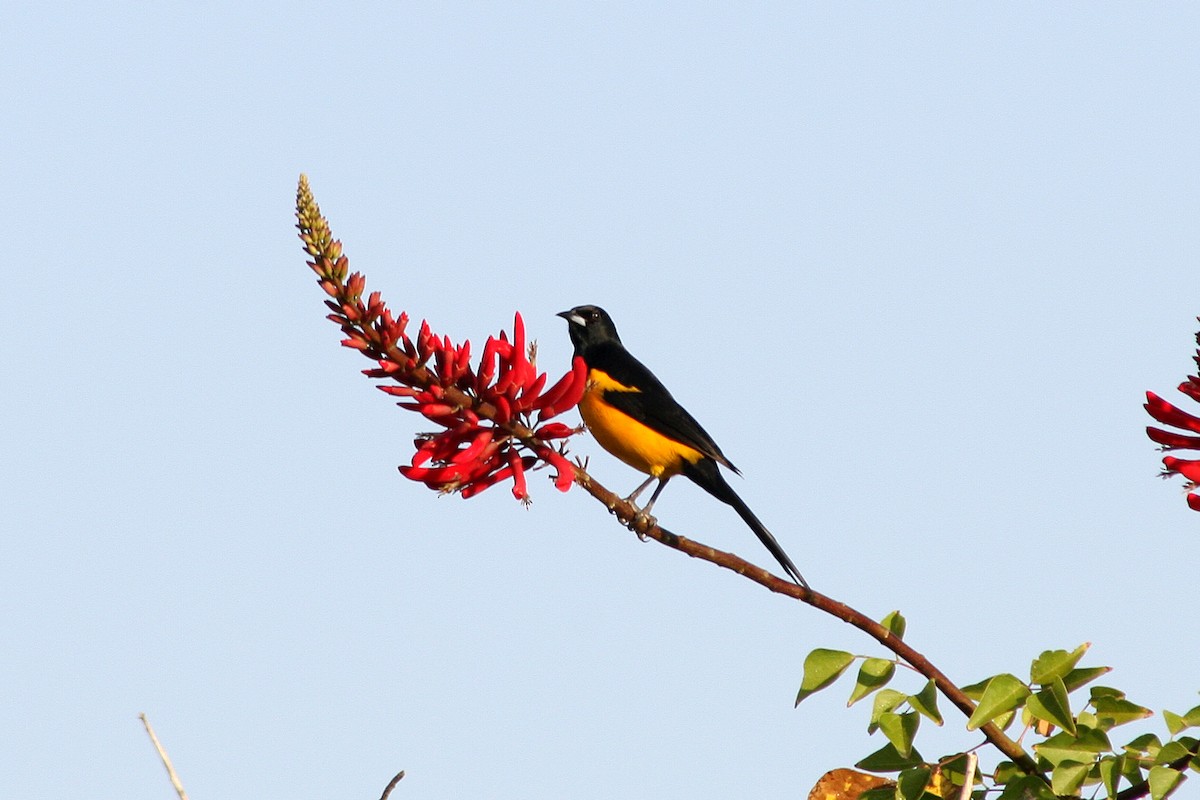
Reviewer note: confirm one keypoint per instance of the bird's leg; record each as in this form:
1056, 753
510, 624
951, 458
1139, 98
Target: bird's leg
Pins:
640, 514
639, 490
643, 514
662, 484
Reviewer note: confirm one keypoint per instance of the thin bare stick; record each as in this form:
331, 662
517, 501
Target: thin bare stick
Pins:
391, 785
165, 759
969, 776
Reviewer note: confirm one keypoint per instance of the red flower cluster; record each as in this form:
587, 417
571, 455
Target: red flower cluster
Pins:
471, 453
487, 413
1168, 414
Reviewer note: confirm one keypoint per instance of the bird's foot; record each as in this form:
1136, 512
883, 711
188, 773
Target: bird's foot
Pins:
643, 518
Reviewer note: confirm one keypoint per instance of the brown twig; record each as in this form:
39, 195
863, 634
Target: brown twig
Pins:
628, 515
392, 785
162, 754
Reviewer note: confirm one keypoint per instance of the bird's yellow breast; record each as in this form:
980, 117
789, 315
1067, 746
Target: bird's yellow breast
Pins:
635, 443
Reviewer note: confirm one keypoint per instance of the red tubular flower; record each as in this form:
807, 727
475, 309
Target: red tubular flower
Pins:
1168, 414
487, 413
1188, 468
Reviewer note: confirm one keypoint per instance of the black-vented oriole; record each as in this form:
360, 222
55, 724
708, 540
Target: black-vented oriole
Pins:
634, 417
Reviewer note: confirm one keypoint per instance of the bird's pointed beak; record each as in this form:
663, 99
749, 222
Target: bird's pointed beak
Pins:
571, 317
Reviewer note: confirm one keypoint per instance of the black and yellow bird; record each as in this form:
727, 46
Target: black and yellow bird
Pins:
634, 417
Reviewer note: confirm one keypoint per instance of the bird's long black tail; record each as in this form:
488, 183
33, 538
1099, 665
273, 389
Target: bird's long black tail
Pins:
707, 475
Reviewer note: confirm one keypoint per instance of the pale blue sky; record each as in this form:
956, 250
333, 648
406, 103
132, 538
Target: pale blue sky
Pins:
912, 266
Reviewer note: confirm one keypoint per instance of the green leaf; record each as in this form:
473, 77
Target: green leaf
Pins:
885, 701
1191, 743
1068, 777
1082, 747
886, 792
900, 730
925, 702
887, 759
1004, 720
1026, 787
1110, 773
1131, 770
1170, 752
873, 674
1082, 676
975, 690
1055, 664
954, 770
911, 783
821, 668
1051, 704
895, 623
1003, 693
1163, 781
1005, 771
1146, 744
1113, 711
1097, 692
1181, 722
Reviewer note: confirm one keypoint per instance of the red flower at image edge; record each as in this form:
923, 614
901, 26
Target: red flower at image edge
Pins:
1176, 417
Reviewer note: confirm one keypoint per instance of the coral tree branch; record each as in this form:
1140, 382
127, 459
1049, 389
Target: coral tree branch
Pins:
627, 513
451, 393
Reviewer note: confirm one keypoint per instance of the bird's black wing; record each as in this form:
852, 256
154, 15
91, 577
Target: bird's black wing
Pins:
649, 402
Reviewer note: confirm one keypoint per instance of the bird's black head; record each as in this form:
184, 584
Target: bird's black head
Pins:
588, 326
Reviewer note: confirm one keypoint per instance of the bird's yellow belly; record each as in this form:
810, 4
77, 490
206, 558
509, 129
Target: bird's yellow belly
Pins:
637, 445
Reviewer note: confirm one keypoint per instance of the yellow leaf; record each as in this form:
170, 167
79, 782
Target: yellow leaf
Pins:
845, 784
